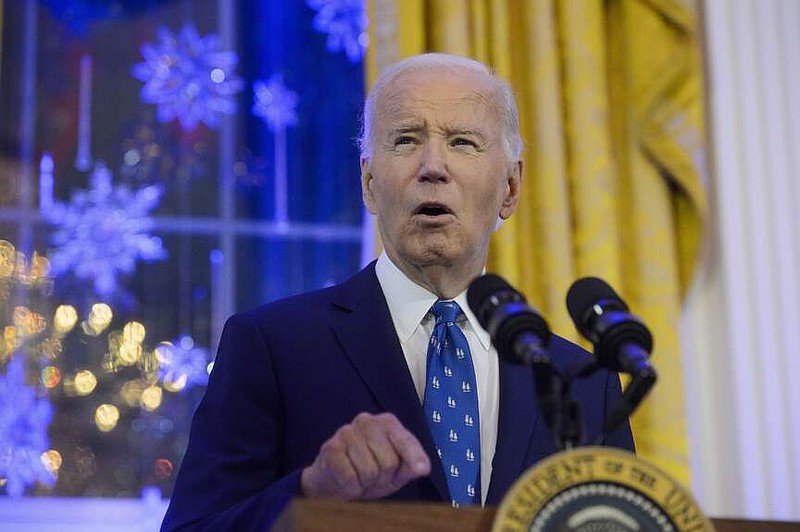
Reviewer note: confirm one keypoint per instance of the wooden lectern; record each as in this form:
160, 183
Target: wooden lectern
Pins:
310, 515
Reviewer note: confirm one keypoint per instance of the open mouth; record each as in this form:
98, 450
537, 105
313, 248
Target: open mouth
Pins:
432, 209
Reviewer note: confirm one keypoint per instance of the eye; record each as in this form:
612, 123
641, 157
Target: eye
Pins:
404, 140
464, 141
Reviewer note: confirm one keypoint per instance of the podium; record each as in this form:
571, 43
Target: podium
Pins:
311, 515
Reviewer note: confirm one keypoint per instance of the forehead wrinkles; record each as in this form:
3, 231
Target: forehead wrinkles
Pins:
398, 107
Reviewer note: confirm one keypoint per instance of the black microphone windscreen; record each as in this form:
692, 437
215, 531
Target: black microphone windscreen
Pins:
506, 316
481, 290
586, 292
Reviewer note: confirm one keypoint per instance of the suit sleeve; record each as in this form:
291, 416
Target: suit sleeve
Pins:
621, 437
231, 477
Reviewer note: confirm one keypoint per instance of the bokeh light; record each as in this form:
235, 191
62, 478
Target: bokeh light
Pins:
28, 322
14, 264
151, 398
85, 382
51, 376
164, 353
128, 353
186, 342
51, 459
8, 342
162, 468
175, 382
7, 258
182, 365
133, 332
40, 268
125, 347
98, 320
106, 417
65, 319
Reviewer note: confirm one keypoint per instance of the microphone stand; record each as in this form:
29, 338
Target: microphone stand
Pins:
571, 429
568, 419
632, 395
562, 413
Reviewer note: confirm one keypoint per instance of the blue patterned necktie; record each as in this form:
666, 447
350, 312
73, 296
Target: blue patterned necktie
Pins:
451, 405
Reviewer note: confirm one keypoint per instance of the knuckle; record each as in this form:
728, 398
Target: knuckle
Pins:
362, 418
344, 436
405, 440
388, 419
332, 446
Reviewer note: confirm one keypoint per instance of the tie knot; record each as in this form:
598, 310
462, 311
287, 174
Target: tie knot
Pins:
446, 311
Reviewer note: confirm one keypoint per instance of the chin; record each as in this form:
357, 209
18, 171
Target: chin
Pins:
437, 253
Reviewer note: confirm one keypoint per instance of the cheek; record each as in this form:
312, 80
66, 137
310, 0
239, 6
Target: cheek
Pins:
388, 203
488, 203
385, 196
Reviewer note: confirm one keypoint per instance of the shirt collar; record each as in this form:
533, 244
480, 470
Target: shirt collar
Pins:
409, 302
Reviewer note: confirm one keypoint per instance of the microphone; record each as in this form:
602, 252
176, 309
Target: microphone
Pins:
621, 341
519, 333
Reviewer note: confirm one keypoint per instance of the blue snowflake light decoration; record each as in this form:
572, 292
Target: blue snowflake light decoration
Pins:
275, 103
182, 364
24, 419
103, 231
188, 77
345, 22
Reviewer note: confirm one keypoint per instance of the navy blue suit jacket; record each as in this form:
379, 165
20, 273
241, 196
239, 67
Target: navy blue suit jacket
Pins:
289, 374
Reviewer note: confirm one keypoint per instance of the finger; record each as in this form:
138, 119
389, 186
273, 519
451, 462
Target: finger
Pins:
384, 430
414, 461
383, 452
333, 472
361, 457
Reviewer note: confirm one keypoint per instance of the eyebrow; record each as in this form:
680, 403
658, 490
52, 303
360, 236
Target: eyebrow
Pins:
461, 130
415, 127
408, 127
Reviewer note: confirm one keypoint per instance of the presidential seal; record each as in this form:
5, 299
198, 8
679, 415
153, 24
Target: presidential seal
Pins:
598, 489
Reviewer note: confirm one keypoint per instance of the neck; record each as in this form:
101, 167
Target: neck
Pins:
444, 280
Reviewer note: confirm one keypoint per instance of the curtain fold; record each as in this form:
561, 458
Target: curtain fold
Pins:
611, 111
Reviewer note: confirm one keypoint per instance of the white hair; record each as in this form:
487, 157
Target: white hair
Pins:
509, 116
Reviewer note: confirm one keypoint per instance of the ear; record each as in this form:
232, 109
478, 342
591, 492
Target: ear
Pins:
366, 184
513, 186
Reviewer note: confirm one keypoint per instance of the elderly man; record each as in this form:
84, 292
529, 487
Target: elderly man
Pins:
386, 385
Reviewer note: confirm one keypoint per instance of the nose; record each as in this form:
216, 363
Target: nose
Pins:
433, 164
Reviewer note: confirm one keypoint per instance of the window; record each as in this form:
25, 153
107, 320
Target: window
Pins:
172, 162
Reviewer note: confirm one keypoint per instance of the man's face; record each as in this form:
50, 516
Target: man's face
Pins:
438, 177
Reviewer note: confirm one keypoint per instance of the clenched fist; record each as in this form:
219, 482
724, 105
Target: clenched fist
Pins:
373, 456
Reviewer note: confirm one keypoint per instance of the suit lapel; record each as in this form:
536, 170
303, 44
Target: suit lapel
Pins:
369, 339
519, 415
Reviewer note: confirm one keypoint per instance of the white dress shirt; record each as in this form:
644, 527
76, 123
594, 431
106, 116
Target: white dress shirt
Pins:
409, 304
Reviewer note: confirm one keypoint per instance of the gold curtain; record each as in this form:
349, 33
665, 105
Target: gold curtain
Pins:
610, 102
